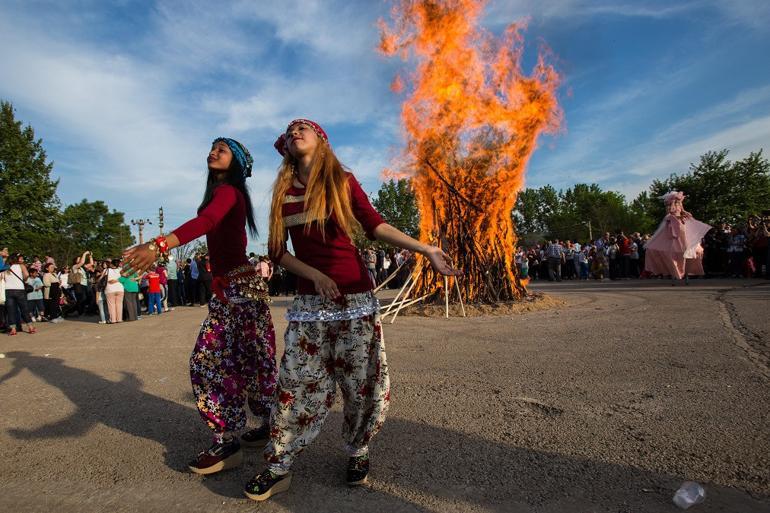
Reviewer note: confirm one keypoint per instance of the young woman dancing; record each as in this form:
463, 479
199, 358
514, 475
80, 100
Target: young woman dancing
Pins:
334, 336
233, 362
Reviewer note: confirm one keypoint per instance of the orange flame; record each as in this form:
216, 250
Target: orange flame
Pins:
472, 118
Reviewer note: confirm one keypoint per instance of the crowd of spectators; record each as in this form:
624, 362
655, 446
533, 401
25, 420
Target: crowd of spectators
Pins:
40, 290
728, 251
100, 291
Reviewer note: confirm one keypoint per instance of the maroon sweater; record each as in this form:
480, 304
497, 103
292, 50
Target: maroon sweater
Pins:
336, 256
223, 221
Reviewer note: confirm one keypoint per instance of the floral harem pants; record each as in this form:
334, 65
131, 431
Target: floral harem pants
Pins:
318, 356
233, 364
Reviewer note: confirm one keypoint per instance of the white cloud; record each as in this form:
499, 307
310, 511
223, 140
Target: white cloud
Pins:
633, 170
281, 98
748, 13
194, 35
590, 151
109, 105
740, 105
344, 29
335, 77
505, 11
754, 14
740, 139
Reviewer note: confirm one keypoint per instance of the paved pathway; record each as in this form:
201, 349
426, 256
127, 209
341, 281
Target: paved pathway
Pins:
606, 404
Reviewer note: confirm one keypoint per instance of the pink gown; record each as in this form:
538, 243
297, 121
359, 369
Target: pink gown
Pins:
674, 249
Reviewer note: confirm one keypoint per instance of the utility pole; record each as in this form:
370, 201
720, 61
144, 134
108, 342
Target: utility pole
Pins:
160, 220
590, 232
140, 223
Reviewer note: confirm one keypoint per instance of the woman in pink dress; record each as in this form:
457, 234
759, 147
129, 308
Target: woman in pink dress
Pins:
674, 249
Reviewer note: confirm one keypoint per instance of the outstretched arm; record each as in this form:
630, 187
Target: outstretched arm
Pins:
438, 259
375, 227
139, 258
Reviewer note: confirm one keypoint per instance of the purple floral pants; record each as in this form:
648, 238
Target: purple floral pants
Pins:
233, 364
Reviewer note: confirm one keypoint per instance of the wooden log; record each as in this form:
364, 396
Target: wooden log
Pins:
402, 305
395, 300
406, 303
446, 295
460, 296
393, 275
452, 188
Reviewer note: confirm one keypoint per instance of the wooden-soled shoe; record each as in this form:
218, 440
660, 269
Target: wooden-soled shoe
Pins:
358, 470
267, 484
220, 456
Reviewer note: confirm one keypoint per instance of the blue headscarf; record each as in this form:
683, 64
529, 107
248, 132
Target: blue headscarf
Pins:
240, 153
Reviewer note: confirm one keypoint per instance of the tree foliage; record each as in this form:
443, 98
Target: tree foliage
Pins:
31, 219
29, 206
396, 203
90, 225
576, 213
534, 209
716, 189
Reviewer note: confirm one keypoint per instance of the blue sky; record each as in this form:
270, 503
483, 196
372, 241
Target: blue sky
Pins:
127, 95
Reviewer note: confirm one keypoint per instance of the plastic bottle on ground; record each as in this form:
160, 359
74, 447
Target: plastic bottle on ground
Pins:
689, 494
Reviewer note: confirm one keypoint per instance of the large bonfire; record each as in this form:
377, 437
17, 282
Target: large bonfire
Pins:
471, 119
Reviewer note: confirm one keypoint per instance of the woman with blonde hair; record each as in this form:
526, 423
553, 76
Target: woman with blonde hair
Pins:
334, 336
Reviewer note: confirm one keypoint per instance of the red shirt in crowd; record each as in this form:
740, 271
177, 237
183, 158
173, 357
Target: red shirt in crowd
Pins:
625, 246
336, 256
223, 221
153, 281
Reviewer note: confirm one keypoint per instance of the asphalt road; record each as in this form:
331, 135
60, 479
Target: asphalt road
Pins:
606, 404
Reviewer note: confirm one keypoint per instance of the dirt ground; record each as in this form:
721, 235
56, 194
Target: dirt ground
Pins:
604, 403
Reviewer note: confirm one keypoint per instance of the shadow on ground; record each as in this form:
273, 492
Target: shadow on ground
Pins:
416, 466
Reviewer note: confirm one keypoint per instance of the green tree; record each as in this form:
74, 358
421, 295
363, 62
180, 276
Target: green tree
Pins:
606, 211
579, 212
29, 207
718, 190
640, 209
397, 204
535, 209
90, 225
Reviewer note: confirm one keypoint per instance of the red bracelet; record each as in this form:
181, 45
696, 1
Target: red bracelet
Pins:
162, 245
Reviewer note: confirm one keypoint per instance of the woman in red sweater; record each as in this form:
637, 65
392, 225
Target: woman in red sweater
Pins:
334, 335
233, 362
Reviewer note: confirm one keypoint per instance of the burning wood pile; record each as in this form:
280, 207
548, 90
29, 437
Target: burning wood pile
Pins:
471, 119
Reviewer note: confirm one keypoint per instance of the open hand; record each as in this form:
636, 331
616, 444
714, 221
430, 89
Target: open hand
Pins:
440, 261
138, 259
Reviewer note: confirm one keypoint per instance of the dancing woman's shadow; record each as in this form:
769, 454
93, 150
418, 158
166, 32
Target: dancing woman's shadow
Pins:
411, 459
118, 404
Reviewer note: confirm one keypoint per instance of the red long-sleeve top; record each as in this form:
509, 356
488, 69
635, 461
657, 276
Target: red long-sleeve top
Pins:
336, 256
223, 221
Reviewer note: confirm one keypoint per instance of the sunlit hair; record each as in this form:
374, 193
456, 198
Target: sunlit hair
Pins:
327, 194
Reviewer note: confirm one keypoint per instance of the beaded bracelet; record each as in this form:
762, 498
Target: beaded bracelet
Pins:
161, 246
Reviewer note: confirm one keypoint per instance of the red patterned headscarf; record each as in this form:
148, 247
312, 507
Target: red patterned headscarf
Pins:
280, 143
